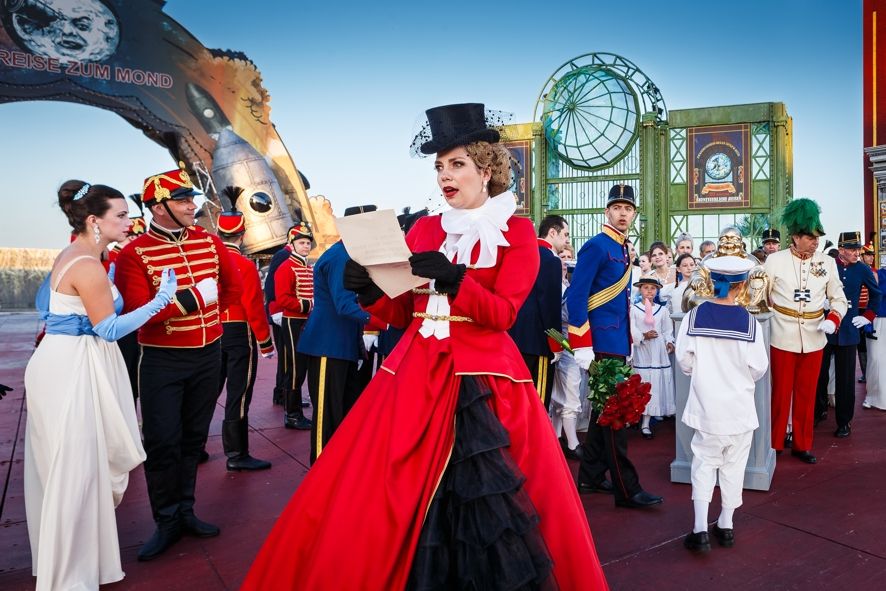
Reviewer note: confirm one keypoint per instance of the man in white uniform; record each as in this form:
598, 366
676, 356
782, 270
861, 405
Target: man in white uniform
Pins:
801, 280
721, 346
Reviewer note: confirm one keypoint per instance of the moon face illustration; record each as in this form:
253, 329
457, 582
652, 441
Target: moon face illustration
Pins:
68, 30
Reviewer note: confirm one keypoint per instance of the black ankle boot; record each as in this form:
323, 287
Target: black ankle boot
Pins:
166, 534
293, 417
235, 436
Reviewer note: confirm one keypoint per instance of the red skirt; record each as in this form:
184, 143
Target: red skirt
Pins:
355, 521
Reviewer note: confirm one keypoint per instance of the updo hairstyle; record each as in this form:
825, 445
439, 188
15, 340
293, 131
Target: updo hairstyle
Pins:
95, 202
658, 245
497, 159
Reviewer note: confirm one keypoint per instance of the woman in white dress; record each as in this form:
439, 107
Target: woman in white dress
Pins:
661, 266
876, 369
653, 335
672, 293
82, 436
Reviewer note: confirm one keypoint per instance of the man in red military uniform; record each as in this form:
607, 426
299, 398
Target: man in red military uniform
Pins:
128, 344
245, 332
293, 301
180, 349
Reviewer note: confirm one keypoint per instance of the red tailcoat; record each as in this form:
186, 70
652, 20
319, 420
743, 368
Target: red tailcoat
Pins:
187, 321
293, 288
250, 308
366, 497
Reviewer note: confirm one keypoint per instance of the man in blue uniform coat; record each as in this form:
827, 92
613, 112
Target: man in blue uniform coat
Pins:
844, 342
541, 310
331, 342
598, 304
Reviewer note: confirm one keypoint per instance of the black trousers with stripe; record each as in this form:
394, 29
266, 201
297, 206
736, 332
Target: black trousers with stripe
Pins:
334, 387
178, 388
238, 369
280, 381
607, 449
844, 383
542, 371
295, 368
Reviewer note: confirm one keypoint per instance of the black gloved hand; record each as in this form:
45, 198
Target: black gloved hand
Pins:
357, 279
4, 390
433, 264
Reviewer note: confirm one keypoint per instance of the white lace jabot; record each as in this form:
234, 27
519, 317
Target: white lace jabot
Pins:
464, 229
485, 224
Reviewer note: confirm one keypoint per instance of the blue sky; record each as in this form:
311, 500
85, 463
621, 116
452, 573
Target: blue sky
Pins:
348, 80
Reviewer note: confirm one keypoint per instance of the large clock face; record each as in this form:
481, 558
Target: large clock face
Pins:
718, 166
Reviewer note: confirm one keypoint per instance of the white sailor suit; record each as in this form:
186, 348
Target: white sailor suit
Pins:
721, 347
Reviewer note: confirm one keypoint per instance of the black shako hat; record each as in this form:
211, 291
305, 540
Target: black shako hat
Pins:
457, 125
357, 209
621, 193
771, 235
850, 240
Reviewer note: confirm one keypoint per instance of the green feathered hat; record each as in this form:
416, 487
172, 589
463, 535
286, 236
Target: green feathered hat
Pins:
801, 216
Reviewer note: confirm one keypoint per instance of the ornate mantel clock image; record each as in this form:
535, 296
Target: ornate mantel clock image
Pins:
752, 295
719, 166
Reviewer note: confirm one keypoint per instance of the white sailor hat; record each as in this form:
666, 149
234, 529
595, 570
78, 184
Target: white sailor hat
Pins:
729, 268
726, 270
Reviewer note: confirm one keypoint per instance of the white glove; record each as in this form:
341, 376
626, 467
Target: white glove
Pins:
208, 289
277, 318
557, 355
268, 355
860, 321
370, 341
584, 356
827, 327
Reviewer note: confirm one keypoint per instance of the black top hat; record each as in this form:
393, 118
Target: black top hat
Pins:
648, 281
457, 125
357, 209
849, 240
621, 193
771, 235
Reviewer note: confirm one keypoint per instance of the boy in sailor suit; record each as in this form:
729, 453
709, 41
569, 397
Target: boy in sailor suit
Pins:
721, 346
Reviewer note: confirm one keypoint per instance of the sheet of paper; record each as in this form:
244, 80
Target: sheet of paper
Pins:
375, 241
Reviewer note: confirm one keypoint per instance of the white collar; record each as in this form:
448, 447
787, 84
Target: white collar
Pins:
485, 224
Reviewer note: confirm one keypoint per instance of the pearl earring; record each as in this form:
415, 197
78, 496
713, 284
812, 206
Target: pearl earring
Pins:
97, 233
484, 186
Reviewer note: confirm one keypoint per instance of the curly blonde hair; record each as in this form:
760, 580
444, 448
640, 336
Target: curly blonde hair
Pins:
497, 159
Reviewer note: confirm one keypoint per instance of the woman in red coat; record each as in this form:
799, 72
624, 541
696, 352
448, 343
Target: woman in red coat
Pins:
446, 473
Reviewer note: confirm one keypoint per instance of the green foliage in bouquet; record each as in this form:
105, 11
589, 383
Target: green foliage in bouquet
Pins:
603, 376
559, 338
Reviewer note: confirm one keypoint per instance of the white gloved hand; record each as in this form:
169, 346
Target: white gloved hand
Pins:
277, 318
269, 355
584, 356
208, 289
860, 321
827, 327
557, 355
370, 341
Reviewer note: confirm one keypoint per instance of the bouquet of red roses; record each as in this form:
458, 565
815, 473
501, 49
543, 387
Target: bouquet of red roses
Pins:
626, 406
617, 393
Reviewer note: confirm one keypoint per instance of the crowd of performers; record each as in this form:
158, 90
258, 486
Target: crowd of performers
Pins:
433, 458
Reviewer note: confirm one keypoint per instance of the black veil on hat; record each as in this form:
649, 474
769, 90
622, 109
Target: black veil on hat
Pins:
450, 126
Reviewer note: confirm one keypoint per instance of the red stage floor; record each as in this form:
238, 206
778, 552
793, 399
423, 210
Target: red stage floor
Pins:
819, 527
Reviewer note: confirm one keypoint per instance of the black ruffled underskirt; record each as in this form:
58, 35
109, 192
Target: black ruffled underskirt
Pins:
481, 531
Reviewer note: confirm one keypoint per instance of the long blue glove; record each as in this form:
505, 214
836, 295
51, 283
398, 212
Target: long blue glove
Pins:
113, 327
